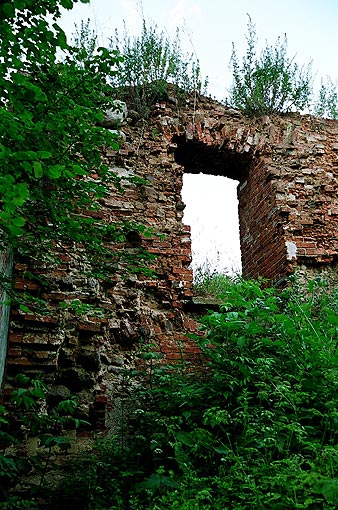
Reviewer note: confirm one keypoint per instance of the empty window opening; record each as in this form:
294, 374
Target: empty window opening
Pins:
212, 213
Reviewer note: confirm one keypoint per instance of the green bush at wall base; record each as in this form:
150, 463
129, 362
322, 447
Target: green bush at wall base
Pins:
257, 428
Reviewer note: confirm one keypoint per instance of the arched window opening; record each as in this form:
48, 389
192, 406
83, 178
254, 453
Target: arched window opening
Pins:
212, 213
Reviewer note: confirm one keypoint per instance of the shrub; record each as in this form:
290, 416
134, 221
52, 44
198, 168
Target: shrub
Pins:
256, 427
259, 424
150, 63
84, 44
270, 83
259, 428
327, 101
23, 476
101, 478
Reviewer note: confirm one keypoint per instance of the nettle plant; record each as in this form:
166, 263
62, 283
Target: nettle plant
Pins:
270, 82
28, 421
259, 427
255, 427
150, 63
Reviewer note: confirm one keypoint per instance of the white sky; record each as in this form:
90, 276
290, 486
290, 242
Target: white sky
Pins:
208, 30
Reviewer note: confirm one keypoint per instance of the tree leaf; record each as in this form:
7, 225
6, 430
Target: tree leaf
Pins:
38, 172
44, 154
55, 171
19, 221
9, 10
67, 4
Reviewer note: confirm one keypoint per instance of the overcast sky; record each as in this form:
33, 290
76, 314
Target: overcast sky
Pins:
208, 29
211, 26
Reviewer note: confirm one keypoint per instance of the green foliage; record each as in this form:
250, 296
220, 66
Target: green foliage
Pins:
26, 417
256, 428
52, 177
270, 83
211, 283
265, 415
327, 101
101, 478
150, 63
80, 308
85, 43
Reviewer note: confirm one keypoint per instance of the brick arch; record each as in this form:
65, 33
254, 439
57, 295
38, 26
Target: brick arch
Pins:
196, 156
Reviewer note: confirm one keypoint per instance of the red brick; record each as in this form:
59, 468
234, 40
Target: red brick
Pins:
15, 337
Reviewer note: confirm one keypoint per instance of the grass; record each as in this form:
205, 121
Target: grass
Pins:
212, 283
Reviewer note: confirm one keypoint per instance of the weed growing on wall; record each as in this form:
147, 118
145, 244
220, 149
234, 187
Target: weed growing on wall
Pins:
271, 82
327, 101
150, 62
211, 283
255, 428
85, 44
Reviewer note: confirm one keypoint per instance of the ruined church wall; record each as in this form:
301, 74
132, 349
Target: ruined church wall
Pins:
287, 173
302, 169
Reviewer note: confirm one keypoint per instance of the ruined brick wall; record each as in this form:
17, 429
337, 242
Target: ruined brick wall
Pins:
90, 355
287, 173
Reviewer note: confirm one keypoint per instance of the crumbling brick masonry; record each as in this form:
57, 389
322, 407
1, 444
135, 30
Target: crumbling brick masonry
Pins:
287, 172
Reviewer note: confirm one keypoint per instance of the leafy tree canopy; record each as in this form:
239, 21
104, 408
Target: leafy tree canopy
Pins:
51, 170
